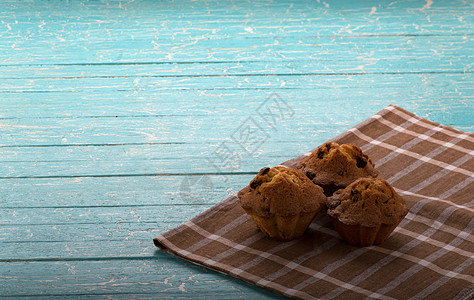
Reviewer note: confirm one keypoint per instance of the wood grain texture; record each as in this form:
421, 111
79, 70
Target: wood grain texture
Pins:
112, 114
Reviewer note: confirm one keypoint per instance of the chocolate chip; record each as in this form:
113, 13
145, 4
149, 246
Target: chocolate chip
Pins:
254, 184
361, 162
264, 171
355, 195
310, 175
355, 198
328, 146
320, 153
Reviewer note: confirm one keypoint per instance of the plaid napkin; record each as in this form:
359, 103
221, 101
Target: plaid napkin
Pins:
430, 254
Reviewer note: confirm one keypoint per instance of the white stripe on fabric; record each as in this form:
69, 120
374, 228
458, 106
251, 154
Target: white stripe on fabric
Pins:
273, 250
208, 238
410, 153
275, 258
409, 193
425, 262
441, 173
183, 252
213, 210
457, 187
365, 123
426, 137
437, 176
446, 194
446, 130
398, 128
431, 288
435, 242
415, 141
441, 227
233, 250
421, 238
426, 158
293, 264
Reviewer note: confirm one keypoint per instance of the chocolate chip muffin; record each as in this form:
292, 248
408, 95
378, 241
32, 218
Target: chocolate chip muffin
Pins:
282, 202
334, 166
366, 211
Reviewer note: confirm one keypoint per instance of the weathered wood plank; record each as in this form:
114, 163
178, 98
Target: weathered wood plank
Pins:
266, 55
172, 118
57, 219
138, 160
211, 19
150, 135
134, 88
127, 192
314, 128
79, 233
158, 276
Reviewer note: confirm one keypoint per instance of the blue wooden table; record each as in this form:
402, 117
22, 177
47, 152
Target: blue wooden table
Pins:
120, 120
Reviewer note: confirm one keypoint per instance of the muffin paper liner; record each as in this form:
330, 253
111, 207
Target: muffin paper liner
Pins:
429, 255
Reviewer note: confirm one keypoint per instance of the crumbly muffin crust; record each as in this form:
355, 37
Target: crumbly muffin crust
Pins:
336, 165
282, 202
281, 191
367, 202
366, 212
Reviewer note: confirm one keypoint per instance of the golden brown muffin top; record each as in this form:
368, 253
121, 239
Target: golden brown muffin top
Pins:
368, 202
336, 164
281, 191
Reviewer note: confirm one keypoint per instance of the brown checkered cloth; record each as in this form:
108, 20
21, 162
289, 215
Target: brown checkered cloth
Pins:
429, 255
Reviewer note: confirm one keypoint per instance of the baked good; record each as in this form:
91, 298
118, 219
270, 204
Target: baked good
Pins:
282, 202
334, 166
366, 211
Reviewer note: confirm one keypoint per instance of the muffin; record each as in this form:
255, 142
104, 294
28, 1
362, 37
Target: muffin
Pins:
334, 166
282, 202
366, 211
